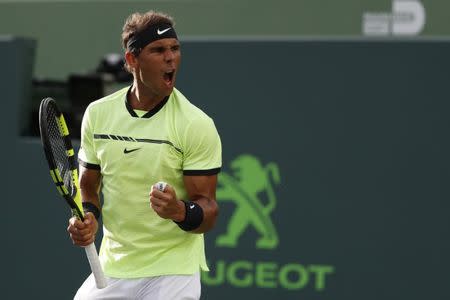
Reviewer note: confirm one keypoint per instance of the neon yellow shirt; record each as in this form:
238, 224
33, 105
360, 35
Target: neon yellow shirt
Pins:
133, 153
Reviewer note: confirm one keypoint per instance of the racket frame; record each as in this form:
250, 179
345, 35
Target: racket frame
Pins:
72, 197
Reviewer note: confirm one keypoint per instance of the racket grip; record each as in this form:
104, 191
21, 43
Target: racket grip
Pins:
94, 262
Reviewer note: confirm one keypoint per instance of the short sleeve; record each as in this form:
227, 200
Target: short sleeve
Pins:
203, 148
86, 155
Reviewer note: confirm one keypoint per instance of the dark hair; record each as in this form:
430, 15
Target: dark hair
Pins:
137, 22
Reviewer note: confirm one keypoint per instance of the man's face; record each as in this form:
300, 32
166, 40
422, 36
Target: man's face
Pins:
157, 66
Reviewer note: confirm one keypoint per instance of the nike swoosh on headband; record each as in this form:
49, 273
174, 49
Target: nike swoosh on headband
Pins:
162, 31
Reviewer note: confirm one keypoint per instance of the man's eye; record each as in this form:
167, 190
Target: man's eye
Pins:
158, 50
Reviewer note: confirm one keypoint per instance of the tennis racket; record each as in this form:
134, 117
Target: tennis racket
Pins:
63, 170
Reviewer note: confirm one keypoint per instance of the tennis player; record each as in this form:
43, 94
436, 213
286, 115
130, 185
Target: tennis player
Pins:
152, 245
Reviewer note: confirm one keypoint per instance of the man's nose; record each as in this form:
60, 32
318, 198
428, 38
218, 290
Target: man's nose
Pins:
169, 55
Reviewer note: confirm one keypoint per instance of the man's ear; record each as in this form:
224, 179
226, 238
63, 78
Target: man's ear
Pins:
130, 59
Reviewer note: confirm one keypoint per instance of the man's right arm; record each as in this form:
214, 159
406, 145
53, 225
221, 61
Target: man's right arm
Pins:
90, 180
83, 233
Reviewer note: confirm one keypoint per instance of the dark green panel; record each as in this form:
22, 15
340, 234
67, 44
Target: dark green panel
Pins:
15, 76
358, 131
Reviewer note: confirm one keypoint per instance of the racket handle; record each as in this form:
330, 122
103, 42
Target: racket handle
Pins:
94, 262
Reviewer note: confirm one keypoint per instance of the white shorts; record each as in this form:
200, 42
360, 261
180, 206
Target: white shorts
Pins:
169, 287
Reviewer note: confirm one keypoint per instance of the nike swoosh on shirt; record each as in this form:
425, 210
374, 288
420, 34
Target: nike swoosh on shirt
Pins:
126, 151
162, 31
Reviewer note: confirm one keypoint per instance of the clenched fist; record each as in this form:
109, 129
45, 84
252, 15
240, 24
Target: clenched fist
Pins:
166, 204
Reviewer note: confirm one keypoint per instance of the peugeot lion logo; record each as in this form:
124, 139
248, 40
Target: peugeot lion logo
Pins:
250, 185
249, 179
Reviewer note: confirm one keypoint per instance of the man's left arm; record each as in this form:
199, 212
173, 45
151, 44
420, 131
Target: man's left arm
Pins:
201, 190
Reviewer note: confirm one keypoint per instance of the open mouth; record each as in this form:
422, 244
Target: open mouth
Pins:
168, 76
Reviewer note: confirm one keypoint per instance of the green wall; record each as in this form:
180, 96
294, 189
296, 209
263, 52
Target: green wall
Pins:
358, 131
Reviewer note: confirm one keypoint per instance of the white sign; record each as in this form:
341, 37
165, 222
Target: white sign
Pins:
406, 19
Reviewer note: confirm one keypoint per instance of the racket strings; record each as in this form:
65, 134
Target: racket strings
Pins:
58, 148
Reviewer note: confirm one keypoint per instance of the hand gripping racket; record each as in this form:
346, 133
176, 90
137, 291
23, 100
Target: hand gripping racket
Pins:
61, 160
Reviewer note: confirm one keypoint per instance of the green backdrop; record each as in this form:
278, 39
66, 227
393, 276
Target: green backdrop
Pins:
73, 35
358, 132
